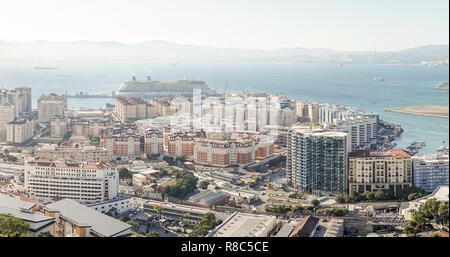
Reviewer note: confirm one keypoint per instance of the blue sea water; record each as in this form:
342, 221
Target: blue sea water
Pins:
349, 85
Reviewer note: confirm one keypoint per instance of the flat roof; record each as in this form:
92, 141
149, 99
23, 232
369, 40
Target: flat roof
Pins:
244, 225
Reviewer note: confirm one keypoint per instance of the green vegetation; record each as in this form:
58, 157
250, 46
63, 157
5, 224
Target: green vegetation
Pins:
11, 226
125, 173
67, 135
315, 203
338, 212
45, 234
7, 157
297, 196
134, 225
95, 141
204, 184
281, 209
170, 160
435, 235
153, 234
186, 184
207, 223
407, 194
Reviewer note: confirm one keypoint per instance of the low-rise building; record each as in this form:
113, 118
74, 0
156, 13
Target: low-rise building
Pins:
121, 204
76, 220
207, 199
12, 170
176, 211
245, 225
26, 211
88, 153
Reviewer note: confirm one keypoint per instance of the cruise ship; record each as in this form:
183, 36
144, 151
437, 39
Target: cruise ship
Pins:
151, 88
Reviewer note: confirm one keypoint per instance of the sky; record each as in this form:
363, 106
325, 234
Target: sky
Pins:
384, 25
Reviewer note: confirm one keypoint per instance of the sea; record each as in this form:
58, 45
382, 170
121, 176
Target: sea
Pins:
348, 85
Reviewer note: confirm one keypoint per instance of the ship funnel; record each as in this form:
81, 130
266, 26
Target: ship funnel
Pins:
149, 78
134, 78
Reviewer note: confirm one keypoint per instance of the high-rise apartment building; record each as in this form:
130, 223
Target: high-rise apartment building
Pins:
50, 106
19, 97
19, 131
6, 115
317, 160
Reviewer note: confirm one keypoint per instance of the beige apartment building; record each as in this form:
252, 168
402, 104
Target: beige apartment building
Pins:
58, 127
48, 109
153, 142
370, 171
134, 109
19, 131
223, 153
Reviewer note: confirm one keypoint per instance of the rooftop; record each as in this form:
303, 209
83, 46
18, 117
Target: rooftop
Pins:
101, 224
244, 225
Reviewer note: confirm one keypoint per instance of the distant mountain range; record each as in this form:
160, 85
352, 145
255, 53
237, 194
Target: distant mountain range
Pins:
45, 51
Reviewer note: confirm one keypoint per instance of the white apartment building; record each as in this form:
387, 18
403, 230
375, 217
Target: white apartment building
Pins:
88, 153
361, 130
82, 182
19, 97
19, 131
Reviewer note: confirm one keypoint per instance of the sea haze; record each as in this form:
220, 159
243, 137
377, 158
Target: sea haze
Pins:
349, 85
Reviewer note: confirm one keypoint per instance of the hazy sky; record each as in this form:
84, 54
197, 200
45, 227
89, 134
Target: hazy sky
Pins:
338, 24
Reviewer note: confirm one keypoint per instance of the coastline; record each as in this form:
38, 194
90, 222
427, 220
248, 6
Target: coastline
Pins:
438, 111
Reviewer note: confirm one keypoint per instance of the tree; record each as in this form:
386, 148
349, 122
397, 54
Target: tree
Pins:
11, 226
202, 228
45, 234
124, 173
340, 199
134, 225
315, 203
409, 230
153, 234
411, 192
431, 207
443, 212
204, 184
370, 196
157, 208
420, 218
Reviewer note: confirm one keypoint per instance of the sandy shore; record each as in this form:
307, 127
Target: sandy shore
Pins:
440, 111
